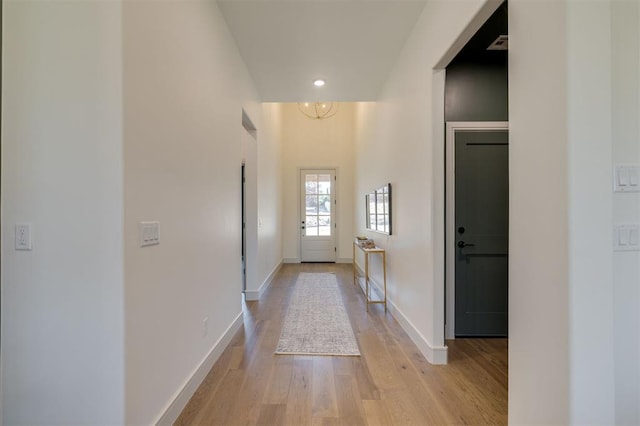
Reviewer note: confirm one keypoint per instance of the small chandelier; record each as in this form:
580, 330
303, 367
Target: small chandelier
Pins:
318, 110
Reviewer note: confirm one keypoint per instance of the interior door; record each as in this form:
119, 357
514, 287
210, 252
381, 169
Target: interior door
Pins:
482, 226
317, 216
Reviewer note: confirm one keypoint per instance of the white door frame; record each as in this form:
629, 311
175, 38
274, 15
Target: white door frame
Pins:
334, 216
249, 156
450, 194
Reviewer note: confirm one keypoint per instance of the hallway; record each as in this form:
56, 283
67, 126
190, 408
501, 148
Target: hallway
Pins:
391, 383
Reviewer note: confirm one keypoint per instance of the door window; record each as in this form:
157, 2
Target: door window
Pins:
318, 205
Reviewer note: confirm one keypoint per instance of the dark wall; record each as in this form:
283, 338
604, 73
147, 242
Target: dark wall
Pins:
477, 85
476, 91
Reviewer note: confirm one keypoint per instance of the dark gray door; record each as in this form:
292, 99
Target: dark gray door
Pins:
482, 226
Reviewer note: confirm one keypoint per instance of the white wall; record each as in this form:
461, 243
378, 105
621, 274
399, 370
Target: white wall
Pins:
62, 302
311, 143
262, 156
269, 193
561, 261
589, 143
397, 143
565, 280
538, 260
184, 90
625, 40
113, 115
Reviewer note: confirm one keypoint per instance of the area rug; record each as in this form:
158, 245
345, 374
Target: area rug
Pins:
317, 321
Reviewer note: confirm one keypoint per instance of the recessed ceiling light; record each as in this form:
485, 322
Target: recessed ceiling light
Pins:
318, 83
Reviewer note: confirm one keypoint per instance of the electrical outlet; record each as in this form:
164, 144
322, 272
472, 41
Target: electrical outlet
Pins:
205, 326
23, 236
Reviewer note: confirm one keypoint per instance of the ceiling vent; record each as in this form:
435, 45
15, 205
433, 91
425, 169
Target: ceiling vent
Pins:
501, 43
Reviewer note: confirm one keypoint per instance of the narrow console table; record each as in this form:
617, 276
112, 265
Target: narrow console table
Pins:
367, 286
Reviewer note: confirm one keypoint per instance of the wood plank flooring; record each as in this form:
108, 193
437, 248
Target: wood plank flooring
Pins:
390, 384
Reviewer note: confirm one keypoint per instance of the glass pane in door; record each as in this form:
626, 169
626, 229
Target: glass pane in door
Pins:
311, 226
318, 205
317, 222
311, 184
311, 206
324, 184
324, 225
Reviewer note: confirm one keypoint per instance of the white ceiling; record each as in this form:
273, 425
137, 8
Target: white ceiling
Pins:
352, 44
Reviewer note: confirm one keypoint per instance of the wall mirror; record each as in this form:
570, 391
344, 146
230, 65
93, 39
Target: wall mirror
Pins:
379, 209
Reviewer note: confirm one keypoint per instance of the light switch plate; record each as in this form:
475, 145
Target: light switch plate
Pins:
626, 237
626, 178
149, 233
23, 236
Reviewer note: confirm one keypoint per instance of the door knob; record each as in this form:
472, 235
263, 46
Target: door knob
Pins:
462, 244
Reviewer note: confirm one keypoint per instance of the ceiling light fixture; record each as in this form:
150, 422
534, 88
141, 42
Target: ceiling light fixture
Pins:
319, 82
318, 110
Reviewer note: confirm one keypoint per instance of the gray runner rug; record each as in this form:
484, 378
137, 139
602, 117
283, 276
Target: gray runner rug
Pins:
317, 322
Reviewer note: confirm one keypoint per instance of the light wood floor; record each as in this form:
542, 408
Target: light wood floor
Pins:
390, 384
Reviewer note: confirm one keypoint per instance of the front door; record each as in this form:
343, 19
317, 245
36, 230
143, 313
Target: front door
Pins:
481, 232
317, 223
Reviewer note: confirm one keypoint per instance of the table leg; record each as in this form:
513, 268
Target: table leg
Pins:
384, 275
353, 262
366, 279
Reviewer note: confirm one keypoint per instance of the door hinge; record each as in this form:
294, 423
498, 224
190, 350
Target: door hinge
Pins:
335, 249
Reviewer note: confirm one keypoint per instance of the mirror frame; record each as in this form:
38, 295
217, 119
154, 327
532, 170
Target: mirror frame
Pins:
386, 207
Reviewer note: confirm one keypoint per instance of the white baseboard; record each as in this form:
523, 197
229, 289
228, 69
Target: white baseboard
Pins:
182, 397
297, 260
253, 295
433, 354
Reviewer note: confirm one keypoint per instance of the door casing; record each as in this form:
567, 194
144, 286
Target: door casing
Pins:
450, 231
243, 184
249, 156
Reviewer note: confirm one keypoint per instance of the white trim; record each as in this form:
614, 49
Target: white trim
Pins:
182, 397
253, 295
358, 268
450, 185
334, 216
437, 305
433, 354
1, 376
297, 260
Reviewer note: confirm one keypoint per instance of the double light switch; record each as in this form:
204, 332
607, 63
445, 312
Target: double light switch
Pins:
627, 237
626, 178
